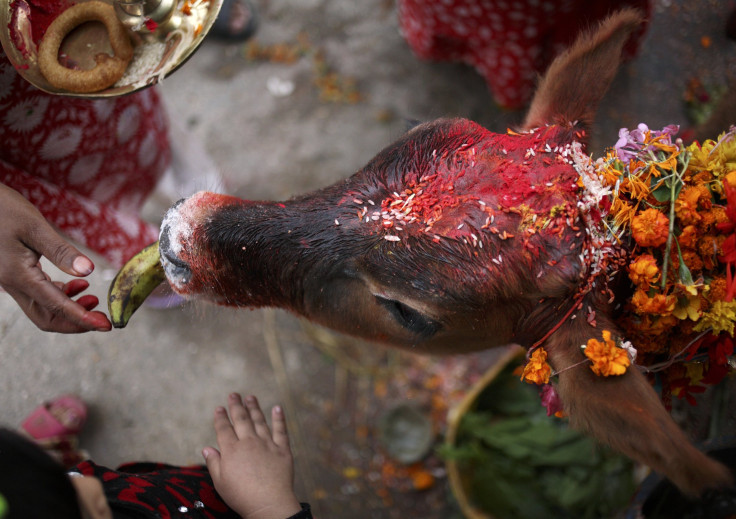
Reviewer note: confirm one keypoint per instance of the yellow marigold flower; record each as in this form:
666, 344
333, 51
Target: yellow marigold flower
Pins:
650, 228
660, 304
717, 157
608, 359
720, 318
644, 272
688, 306
725, 154
537, 371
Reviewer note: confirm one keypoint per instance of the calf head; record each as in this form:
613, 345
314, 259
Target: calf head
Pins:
442, 243
451, 239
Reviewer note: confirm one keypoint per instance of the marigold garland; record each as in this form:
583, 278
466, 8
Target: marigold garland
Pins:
537, 371
666, 213
673, 210
607, 358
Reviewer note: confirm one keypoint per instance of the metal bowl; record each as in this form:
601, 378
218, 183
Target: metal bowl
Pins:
156, 55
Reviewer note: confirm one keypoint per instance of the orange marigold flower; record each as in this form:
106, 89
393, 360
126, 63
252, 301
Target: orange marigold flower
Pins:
707, 221
719, 214
717, 290
660, 304
650, 228
703, 177
537, 371
622, 212
686, 212
635, 187
689, 201
709, 248
608, 359
692, 260
644, 272
688, 238
657, 325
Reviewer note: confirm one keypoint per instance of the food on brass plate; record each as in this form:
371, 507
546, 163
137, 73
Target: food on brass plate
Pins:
108, 68
133, 284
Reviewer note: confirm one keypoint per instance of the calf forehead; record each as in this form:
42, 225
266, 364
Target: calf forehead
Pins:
451, 201
452, 173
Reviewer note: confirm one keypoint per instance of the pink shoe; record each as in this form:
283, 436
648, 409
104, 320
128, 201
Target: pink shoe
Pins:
55, 426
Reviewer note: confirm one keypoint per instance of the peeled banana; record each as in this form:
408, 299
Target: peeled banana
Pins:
133, 284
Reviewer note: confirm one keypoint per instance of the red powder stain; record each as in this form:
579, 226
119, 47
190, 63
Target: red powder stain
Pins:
493, 175
150, 24
425, 201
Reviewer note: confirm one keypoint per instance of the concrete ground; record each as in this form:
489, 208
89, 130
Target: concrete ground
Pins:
152, 386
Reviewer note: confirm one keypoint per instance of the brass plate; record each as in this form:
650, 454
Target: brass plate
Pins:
151, 61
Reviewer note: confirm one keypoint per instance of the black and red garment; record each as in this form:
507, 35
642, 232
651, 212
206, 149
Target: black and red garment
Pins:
157, 490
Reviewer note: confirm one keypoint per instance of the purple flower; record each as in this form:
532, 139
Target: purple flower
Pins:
550, 399
631, 143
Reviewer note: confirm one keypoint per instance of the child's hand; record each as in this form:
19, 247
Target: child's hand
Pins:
25, 236
254, 470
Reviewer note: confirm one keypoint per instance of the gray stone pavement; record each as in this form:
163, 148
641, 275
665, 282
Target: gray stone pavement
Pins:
152, 386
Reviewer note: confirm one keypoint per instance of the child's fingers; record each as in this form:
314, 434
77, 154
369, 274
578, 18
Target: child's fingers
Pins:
212, 460
278, 421
256, 415
223, 428
240, 416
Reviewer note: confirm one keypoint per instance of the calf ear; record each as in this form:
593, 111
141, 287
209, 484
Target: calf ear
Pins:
625, 412
577, 79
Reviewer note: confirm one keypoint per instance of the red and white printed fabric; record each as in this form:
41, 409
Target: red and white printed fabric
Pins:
509, 42
87, 165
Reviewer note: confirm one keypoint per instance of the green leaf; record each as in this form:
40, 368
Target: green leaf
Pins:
527, 465
686, 278
664, 193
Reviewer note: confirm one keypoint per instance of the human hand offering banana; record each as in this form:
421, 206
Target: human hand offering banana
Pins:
26, 237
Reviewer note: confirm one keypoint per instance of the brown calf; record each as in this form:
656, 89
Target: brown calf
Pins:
438, 245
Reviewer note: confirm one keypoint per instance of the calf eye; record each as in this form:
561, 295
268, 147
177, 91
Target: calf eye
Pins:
410, 318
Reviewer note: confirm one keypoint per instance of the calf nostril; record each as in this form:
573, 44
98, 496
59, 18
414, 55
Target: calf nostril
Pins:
164, 246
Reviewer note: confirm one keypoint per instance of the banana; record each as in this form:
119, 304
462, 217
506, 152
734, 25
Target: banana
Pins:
133, 284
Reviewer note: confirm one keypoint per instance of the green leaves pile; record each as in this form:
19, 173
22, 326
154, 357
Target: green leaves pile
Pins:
524, 464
